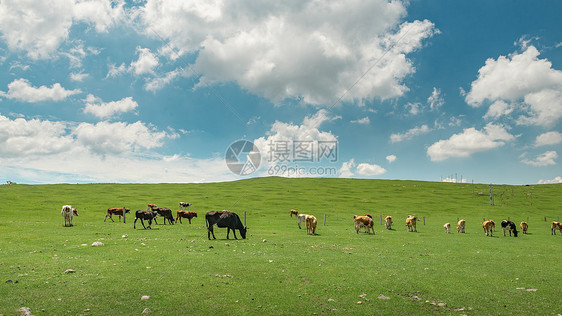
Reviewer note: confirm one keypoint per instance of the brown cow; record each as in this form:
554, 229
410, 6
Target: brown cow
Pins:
461, 225
488, 226
115, 211
185, 214
388, 222
294, 212
411, 223
363, 221
447, 227
311, 223
524, 226
554, 227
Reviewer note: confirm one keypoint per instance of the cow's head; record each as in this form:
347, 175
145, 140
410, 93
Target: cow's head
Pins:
243, 232
515, 232
127, 210
75, 212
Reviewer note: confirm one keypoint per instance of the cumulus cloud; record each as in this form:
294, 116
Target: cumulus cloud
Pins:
283, 136
146, 62
522, 80
103, 110
411, 133
345, 170
544, 159
310, 50
548, 138
551, 181
435, 100
78, 76
470, 141
22, 90
366, 169
39, 27
391, 158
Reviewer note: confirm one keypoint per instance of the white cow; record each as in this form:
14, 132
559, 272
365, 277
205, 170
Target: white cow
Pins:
67, 213
301, 218
447, 227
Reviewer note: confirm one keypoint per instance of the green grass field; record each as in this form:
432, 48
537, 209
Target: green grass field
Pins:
279, 269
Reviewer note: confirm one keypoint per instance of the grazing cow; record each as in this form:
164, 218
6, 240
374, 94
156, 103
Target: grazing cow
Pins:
509, 226
115, 211
488, 226
554, 227
411, 223
447, 227
388, 222
185, 214
164, 212
301, 218
294, 212
223, 219
311, 222
460, 226
67, 212
363, 221
144, 215
184, 206
524, 226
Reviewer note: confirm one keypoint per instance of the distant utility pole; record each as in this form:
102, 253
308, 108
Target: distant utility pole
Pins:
491, 194
473, 187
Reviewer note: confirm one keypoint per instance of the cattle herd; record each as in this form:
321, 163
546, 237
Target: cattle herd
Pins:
231, 221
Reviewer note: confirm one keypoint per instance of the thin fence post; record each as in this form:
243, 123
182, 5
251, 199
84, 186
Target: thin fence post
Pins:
244, 219
491, 194
424, 221
381, 219
545, 218
124, 215
508, 218
324, 219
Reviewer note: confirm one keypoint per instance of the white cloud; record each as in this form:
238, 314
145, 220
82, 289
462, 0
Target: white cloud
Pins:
115, 71
39, 27
118, 138
310, 50
391, 158
362, 121
435, 100
366, 169
22, 138
544, 159
498, 109
103, 110
158, 83
79, 77
146, 62
549, 138
556, 180
522, 80
345, 170
413, 108
470, 141
395, 138
22, 90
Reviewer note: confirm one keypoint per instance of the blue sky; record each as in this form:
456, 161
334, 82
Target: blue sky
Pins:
156, 91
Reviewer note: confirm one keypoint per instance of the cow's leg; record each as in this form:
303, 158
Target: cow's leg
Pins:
135, 223
105, 218
234, 231
119, 217
155, 222
149, 223
189, 218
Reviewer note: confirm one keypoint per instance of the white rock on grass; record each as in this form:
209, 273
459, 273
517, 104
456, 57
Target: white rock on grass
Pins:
146, 311
25, 311
69, 271
97, 243
144, 297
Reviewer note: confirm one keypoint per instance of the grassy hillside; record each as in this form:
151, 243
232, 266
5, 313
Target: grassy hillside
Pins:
279, 269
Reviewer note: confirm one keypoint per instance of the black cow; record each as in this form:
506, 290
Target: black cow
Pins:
510, 226
223, 219
164, 212
145, 215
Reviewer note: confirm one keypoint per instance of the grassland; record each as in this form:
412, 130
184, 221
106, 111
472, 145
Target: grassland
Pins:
278, 269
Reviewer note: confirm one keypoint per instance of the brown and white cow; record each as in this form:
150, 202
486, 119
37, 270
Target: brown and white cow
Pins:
185, 214
488, 226
524, 227
301, 218
294, 212
388, 222
363, 221
115, 211
411, 223
67, 212
554, 227
460, 226
311, 224
185, 206
447, 227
